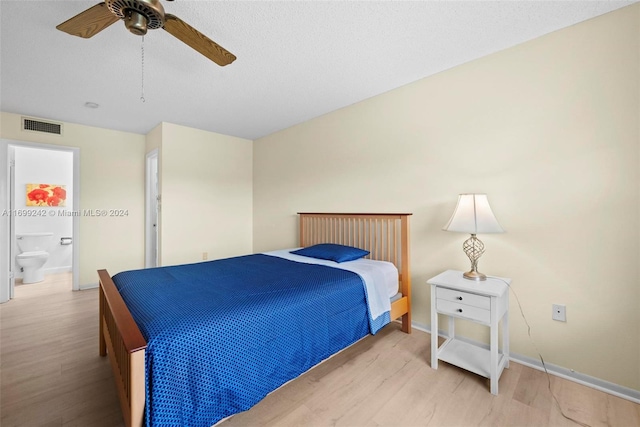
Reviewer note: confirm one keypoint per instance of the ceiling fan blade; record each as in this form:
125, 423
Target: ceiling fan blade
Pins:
194, 38
90, 22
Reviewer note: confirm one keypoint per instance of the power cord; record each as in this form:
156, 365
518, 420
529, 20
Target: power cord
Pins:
544, 366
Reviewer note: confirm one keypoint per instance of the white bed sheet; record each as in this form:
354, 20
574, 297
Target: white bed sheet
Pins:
380, 277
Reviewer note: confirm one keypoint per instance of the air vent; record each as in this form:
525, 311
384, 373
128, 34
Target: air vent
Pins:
34, 125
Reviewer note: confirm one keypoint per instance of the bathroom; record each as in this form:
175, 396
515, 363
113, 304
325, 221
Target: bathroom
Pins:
43, 214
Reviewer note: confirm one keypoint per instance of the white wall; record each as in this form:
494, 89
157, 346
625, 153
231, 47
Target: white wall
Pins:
549, 130
4, 222
36, 166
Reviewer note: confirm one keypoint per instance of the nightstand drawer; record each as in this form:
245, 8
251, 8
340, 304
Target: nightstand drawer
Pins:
465, 298
462, 310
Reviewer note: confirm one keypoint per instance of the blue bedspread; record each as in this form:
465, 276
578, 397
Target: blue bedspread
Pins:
223, 334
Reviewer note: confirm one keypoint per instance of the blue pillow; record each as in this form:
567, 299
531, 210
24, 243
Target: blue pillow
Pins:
332, 252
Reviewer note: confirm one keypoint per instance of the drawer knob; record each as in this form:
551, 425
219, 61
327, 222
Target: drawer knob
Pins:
459, 298
459, 310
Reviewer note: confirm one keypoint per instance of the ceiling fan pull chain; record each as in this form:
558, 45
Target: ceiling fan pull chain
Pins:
142, 67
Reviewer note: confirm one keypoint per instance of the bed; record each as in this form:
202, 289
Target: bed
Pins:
384, 236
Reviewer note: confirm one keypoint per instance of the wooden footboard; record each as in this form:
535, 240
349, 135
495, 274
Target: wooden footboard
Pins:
122, 341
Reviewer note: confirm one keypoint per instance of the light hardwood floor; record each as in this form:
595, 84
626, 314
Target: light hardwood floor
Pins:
51, 375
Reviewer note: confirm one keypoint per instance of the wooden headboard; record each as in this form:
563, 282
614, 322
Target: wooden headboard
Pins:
385, 236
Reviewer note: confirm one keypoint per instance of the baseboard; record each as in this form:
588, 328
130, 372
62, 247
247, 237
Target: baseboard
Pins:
89, 286
558, 371
56, 270
569, 374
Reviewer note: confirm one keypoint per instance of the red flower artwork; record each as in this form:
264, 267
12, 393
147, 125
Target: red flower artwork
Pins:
46, 195
53, 201
60, 193
38, 196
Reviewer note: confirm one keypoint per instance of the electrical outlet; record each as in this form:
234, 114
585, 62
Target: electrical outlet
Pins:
205, 255
559, 312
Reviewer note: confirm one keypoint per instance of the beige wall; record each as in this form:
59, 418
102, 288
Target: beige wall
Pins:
153, 140
549, 130
111, 177
206, 187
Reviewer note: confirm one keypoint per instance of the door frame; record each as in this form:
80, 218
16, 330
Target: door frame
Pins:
7, 233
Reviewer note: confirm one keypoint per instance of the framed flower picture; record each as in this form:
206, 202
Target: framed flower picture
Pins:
46, 195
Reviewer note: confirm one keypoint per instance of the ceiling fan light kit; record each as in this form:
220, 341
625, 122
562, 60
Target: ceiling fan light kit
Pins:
140, 16
135, 22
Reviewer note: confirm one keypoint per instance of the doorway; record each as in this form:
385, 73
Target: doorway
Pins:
49, 210
152, 208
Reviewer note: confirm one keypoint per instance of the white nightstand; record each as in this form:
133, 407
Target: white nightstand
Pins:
485, 302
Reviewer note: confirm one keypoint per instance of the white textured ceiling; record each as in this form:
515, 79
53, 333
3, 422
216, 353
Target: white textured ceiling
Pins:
296, 59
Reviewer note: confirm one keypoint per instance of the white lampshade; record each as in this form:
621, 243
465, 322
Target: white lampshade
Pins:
473, 215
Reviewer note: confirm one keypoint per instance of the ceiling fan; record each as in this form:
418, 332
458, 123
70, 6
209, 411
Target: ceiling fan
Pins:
140, 16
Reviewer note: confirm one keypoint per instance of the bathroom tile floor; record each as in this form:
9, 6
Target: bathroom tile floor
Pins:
51, 283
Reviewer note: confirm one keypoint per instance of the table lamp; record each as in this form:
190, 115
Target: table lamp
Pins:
473, 215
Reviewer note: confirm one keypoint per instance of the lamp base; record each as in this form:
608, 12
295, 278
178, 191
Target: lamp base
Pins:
474, 275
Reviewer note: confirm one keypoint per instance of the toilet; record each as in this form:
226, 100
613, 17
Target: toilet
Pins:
33, 255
